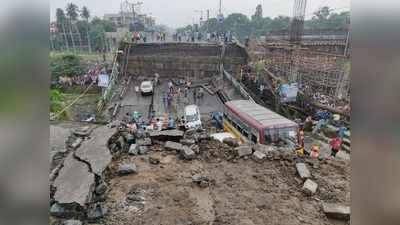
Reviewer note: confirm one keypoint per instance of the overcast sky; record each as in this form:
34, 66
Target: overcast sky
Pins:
177, 13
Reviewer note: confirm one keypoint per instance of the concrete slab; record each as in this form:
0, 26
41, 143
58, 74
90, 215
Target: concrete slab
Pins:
336, 211
310, 187
75, 184
95, 150
302, 170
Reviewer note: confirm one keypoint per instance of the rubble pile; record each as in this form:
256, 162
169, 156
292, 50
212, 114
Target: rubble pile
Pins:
78, 189
97, 160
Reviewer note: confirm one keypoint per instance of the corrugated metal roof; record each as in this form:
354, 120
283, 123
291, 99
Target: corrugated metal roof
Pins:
262, 115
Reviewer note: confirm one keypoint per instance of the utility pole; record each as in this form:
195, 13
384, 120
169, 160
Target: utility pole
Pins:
220, 6
133, 5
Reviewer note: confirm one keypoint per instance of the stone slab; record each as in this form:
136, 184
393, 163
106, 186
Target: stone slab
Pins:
336, 211
258, 156
74, 183
167, 135
95, 150
244, 150
173, 146
302, 170
310, 187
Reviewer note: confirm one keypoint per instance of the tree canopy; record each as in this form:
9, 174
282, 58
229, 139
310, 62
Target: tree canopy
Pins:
241, 26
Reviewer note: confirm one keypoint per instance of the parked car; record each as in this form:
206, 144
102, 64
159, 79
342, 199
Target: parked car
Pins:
192, 117
146, 88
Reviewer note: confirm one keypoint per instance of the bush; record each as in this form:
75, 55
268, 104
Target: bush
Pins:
65, 65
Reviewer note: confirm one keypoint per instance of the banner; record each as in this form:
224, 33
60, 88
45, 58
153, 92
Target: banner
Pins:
103, 80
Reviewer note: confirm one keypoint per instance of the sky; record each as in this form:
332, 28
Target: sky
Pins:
178, 13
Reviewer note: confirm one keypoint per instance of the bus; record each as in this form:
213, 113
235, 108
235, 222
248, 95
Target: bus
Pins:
250, 122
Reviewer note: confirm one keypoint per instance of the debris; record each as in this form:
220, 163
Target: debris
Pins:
96, 211
82, 132
336, 211
126, 169
188, 142
195, 148
258, 156
74, 184
303, 171
133, 150
171, 146
231, 142
101, 188
201, 181
72, 222
310, 187
77, 143
187, 153
95, 151
154, 160
143, 150
167, 135
144, 142
244, 150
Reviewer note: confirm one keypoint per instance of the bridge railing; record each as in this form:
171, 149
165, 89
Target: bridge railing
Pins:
238, 86
111, 84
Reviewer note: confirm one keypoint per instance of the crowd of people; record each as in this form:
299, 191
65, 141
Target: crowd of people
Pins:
91, 76
143, 37
199, 36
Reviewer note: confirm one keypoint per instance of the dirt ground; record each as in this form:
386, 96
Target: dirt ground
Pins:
241, 191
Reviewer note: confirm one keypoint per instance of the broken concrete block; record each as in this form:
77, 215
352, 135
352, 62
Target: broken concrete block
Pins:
133, 150
143, 150
144, 142
95, 150
72, 222
310, 187
188, 142
303, 171
195, 148
336, 211
173, 146
96, 211
74, 184
231, 142
82, 132
244, 150
258, 156
77, 143
101, 188
187, 153
167, 135
201, 181
126, 169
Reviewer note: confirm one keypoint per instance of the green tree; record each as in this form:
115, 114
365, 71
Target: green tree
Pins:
72, 13
61, 20
86, 15
238, 24
65, 65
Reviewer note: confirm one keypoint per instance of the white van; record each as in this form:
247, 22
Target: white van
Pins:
192, 117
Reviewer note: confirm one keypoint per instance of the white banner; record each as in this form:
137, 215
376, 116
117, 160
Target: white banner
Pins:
103, 80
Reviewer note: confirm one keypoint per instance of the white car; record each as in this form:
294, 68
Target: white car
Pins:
192, 117
146, 88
